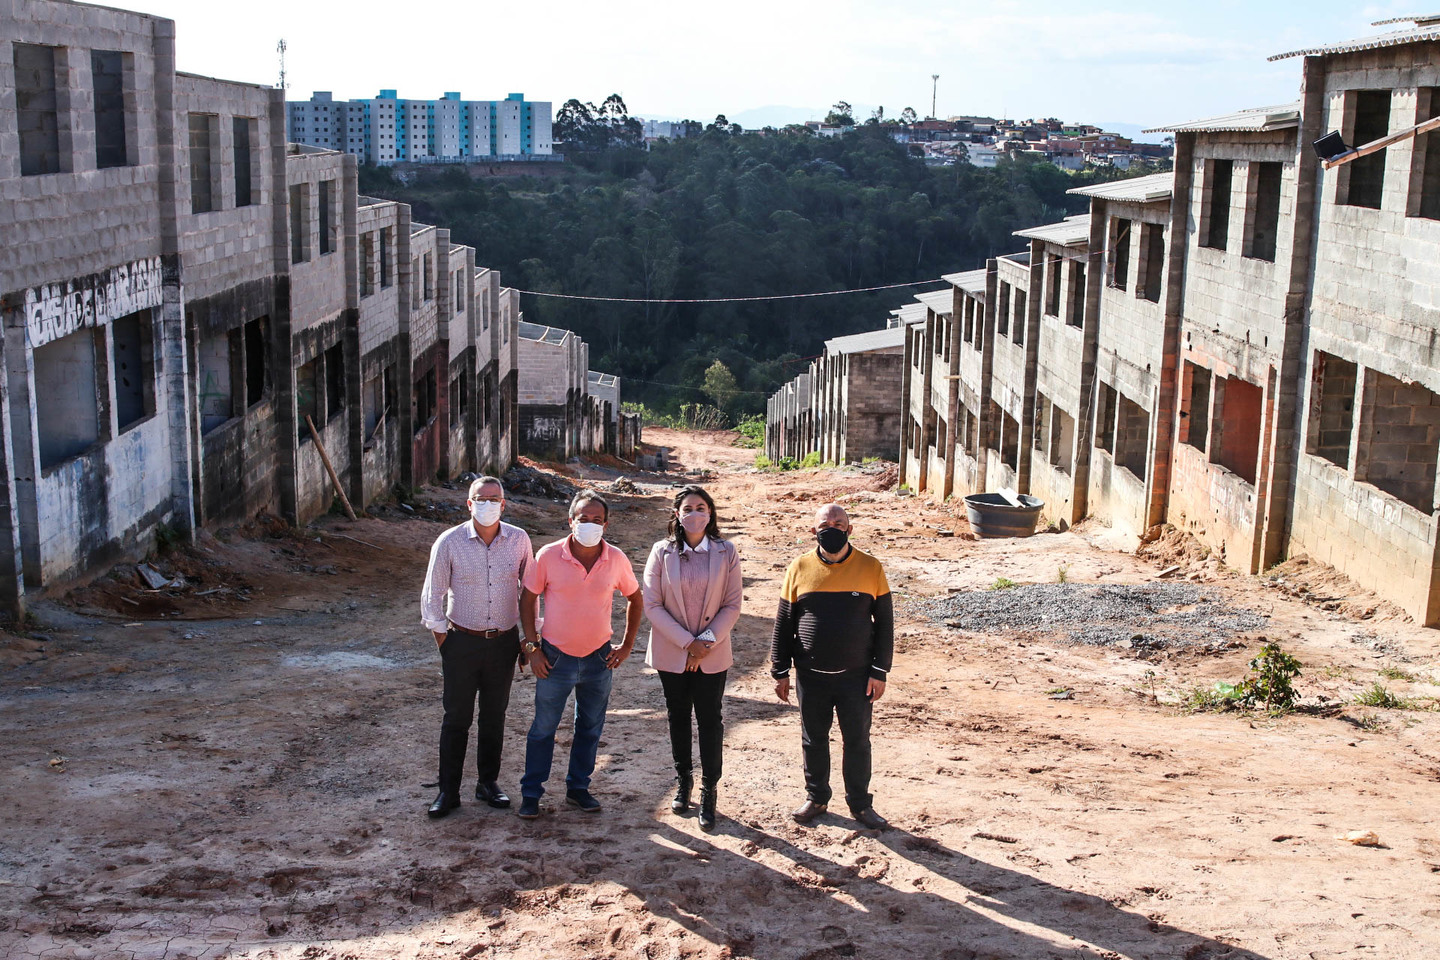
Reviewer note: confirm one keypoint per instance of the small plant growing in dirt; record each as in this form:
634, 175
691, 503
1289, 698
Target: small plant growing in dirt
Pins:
1062, 573
1395, 673
1378, 696
763, 462
1003, 583
1150, 679
1270, 682
752, 432
811, 460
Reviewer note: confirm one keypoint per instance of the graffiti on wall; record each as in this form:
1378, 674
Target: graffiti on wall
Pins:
57, 310
544, 429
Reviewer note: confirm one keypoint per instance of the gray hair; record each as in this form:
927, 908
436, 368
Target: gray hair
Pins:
479, 482
588, 496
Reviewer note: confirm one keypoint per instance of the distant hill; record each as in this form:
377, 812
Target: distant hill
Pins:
732, 216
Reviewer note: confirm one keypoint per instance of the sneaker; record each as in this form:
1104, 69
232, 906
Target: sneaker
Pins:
529, 808
583, 800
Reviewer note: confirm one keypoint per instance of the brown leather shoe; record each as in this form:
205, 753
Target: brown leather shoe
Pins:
871, 820
807, 811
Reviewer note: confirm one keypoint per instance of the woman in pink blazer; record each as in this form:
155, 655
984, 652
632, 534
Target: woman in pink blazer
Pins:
692, 595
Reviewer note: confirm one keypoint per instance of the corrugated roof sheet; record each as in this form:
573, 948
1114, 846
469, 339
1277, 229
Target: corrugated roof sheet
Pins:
1253, 120
941, 301
540, 332
603, 379
910, 313
870, 340
971, 281
1157, 186
1070, 232
1419, 34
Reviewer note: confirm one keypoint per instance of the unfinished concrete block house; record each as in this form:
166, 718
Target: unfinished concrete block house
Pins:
1245, 348
192, 306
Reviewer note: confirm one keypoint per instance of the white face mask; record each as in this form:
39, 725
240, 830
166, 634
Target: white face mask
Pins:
588, 534
486, 512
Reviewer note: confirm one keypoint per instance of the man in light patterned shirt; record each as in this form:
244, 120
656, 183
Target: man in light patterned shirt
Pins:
471, 602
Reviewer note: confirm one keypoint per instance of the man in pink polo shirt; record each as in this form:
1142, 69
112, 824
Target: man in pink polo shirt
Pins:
578, 577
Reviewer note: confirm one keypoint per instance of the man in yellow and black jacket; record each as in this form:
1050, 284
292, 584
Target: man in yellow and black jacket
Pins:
836, 625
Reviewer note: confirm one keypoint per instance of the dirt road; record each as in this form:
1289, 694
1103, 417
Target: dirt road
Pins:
240, 768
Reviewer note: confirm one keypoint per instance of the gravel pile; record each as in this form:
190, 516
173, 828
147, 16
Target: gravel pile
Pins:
1144, 616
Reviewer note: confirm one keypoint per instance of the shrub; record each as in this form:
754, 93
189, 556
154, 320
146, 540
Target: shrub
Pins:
763, 462
1003, 583
810, 461
1269, 683
752, 432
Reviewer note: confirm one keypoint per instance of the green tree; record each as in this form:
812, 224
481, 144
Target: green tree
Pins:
720, 385
841, 115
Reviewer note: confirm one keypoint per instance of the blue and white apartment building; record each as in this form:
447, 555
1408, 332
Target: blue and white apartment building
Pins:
390, 130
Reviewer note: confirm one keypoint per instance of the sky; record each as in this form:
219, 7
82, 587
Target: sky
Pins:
1140, 64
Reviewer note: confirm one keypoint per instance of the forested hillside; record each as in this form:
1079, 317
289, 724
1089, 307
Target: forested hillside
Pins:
725, 215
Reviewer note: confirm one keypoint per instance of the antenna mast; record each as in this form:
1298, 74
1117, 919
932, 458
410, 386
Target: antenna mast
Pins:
934, 86
280, 49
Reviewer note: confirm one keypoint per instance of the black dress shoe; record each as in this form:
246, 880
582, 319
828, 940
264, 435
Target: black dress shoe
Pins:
807, 811
871, 820
444, 803
492, 794
681, 803
707, 807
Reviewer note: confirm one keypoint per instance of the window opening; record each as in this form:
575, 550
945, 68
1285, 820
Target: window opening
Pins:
37, 109
133, 368
300, 223
367, 257
1153, 236
334, 381
243, 158
307, 398
1237, 434
1366, 175
1195, 407
384, 257
202, 136
1132, 436
1120, 253
67, 411
1105, 419
107, 73
1220, 176
1077, 294
1402, 437
1332, 408
327, 226
1264, 211
1062, 439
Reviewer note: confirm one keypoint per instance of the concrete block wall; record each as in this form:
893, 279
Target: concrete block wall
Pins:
200, 441
870, 400
1373, 302
82, 220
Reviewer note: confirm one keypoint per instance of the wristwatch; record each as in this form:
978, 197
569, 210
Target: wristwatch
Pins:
529, 646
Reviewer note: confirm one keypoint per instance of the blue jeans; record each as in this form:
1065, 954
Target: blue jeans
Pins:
590, 678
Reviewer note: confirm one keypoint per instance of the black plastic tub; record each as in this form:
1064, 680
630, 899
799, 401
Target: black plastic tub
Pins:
991, 515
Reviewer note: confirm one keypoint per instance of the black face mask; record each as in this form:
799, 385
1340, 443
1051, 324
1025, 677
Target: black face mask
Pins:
832, 539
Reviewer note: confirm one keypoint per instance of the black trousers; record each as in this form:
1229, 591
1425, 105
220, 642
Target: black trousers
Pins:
824, 697
702, 694
475, 666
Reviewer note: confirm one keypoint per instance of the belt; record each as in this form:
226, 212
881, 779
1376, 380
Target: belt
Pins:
487, 634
